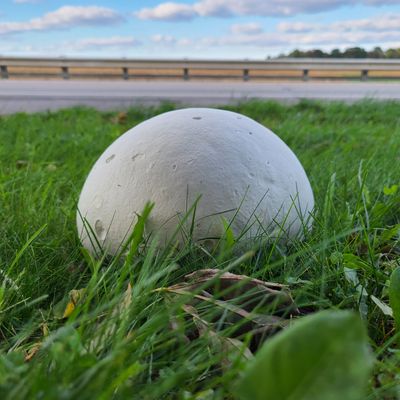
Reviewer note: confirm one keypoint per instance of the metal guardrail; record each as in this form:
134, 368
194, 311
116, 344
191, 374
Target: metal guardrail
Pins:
130, 69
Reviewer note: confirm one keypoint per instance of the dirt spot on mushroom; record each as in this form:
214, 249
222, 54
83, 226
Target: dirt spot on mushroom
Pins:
109, 159
135, 156
209, 243
198, 118
99, 229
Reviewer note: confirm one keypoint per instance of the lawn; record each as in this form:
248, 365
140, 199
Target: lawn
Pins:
76, 327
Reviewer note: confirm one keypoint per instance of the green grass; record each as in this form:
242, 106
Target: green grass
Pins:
107, 350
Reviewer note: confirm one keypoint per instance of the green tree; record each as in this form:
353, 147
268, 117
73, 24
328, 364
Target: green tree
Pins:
336, 53
392, 53
317, 53
296, 53
355, 52
352, 52
377, 52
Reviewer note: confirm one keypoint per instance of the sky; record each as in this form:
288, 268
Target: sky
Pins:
194, 29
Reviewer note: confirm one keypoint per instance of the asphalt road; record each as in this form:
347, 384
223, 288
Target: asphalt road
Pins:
35, 95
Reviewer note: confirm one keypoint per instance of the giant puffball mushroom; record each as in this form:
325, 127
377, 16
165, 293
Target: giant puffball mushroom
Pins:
231, 165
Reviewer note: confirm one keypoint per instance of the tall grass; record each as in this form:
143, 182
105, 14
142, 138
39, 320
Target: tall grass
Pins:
117, 342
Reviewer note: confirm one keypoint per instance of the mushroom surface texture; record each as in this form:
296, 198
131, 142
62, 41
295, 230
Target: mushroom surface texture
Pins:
234, 170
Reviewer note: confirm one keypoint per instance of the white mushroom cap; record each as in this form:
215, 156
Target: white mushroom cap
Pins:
240, 168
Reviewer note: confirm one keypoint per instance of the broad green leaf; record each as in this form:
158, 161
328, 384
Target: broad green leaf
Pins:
394, 296
324, 356
388, 234
355, 262
390, 191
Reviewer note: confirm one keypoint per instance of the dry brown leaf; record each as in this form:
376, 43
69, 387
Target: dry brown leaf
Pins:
32, 351
228, 347
120, 118
127, 299
251, 291
240, 303
75, 296
114, 316
45, 329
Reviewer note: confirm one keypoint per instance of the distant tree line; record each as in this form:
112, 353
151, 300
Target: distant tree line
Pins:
352, 52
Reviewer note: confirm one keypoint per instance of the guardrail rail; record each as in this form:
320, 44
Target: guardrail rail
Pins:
305, 69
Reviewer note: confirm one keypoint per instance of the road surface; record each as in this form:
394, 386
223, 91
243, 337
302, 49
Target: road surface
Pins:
35, 95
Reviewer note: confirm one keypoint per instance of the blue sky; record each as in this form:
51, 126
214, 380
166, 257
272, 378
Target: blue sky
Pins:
222, 29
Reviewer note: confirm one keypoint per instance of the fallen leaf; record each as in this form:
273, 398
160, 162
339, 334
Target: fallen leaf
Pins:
251, 292
236, 303
230, 349
32, 351
64, 308
127, 299
45, 329
120, 118
75, 297
115, 316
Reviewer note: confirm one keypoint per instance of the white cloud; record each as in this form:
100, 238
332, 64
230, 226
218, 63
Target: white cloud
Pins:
380, 2
297, 27
185, 42
385, 22
225, 8
63, 18
115, 42
248, 28
222, 8
338, 39
169, 40
115, 45
381, 30
26, 1
168, 12
163, 39
288, 40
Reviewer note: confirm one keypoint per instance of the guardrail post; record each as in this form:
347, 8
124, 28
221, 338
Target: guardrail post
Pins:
185, 74
306, 77
4, 71
246, 75
364, 75
125, 73
64, 72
